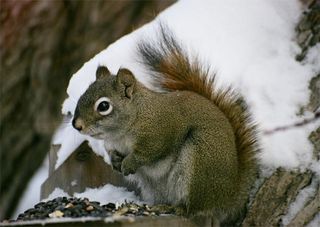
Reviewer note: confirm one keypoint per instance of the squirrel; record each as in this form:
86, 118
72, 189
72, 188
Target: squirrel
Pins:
189, 145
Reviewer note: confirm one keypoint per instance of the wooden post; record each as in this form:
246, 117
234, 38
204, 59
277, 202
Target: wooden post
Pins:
81, 170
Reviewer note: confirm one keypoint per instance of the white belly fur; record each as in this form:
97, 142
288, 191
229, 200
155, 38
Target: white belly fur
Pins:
165, 182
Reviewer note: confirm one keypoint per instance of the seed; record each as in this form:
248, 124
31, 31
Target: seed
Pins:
89, 208
76, 207
69, 205
122, 211
56, 214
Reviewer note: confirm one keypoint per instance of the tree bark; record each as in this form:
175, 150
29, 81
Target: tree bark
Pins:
42, 43
274, 197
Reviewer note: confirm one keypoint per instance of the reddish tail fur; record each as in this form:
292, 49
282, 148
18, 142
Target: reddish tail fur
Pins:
173, 70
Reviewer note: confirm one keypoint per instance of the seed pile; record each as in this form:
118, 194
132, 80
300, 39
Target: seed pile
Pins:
76, 207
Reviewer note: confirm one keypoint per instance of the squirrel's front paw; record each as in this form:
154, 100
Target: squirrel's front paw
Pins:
129, 165
116, 160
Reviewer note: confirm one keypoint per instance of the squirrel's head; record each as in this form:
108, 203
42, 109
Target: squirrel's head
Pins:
106, 106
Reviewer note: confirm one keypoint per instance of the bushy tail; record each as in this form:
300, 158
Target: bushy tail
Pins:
173, 70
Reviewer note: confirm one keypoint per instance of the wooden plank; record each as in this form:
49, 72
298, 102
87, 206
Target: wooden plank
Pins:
81, 170
112, 222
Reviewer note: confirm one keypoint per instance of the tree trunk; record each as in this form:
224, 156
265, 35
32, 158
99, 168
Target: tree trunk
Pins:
275, 196
42, 44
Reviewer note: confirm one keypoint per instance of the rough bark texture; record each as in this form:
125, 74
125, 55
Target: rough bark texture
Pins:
275, 195
41, 44
306, 214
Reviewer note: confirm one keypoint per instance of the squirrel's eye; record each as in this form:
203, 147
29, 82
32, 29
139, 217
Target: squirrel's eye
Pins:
103, 106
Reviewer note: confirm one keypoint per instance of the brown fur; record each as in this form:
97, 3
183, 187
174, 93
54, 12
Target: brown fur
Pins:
174, 71
192, 146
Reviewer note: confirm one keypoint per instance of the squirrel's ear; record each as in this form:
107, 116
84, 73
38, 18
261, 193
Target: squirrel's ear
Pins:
102, 72
126, 82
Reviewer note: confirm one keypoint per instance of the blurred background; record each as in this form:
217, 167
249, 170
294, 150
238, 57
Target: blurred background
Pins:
42, 43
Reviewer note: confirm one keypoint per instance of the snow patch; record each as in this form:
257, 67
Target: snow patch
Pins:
57, 192
105, 194
69, 139
315, 222
108, 194
31, 195
300, 202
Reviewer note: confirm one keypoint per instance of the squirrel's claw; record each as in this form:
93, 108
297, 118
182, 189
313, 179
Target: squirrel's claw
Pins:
116, 160
129, 165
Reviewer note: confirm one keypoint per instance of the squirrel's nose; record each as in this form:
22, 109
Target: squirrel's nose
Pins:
77, 124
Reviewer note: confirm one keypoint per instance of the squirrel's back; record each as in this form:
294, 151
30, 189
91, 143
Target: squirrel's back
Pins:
173, 70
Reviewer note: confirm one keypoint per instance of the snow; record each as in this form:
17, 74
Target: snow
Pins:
303, 196
31, 195
252, 47
71, 139
106, 194
57, 192
315, 222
